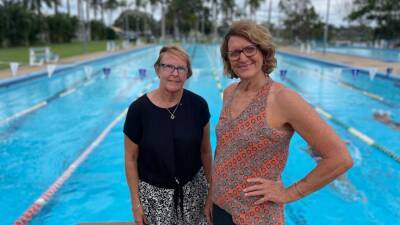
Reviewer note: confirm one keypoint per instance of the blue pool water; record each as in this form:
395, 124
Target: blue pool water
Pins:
382, 54
35, 149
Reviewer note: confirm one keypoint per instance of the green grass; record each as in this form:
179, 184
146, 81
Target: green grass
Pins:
21, 54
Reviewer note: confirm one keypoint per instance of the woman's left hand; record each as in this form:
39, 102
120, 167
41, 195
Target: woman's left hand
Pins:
269, 190
208, 209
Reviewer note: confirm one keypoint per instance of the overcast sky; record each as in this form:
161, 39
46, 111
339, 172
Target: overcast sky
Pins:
338, 10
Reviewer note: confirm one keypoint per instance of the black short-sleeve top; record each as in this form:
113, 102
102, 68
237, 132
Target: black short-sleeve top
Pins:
169, 149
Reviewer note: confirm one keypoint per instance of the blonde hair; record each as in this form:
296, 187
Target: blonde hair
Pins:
175, 50
256, 34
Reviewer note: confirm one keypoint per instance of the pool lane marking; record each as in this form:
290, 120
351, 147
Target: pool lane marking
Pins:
67, 92
24, 112
348, 128
58, 94
42, 103
214, 75
32, 210
366, 93
359, 135
323, 112
89, 82
350, 86
45, 197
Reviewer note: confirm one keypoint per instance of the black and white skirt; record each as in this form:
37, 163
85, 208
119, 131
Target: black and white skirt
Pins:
159, 208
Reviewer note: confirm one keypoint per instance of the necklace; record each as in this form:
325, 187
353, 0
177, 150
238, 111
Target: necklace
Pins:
173, 113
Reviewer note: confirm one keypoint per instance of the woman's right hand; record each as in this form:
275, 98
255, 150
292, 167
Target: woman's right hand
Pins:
140, 217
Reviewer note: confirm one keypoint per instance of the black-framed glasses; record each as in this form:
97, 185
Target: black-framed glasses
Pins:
170, 68
247, 51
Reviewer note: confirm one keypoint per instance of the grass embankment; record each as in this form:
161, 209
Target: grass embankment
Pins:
21, 54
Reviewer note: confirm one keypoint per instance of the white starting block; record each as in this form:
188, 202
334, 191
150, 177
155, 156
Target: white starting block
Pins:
38, 56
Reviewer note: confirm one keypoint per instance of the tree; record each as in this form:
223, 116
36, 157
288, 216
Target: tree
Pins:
300, 20
254, 6
181, 15
95, 4
384, 13
36, 5
137, 21
162, 3
55, 4
111, 5
61, 27
228, 9
16, 24
68, 7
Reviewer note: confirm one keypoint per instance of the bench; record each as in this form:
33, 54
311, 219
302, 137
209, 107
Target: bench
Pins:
38, 56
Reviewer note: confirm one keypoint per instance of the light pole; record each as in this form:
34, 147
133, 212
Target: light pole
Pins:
162, 22
326, 27
269, 13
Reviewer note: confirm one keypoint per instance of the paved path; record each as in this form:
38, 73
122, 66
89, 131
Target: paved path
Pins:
348, 60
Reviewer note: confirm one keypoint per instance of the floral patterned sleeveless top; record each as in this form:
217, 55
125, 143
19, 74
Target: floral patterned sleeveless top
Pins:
247, 148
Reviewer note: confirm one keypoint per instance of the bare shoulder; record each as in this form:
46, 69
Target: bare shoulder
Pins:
287, 100
283, 94
229, 90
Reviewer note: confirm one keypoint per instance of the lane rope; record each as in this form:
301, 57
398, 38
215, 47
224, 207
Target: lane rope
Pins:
34, 208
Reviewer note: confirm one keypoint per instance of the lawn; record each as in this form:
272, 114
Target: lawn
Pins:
21, 54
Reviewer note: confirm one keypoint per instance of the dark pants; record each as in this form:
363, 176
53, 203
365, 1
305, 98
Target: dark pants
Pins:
221, 217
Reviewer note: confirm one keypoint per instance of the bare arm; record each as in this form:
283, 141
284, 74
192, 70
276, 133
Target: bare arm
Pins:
294, 111
335, 159
132, 177
206, 158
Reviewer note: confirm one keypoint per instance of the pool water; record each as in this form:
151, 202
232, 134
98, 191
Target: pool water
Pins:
36, 148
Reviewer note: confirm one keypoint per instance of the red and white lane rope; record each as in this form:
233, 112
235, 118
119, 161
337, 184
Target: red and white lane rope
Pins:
44, 198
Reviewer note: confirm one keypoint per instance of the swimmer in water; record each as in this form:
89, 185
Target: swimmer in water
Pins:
385, 118
342, 184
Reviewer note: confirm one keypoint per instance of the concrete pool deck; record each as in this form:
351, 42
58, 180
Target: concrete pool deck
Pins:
353, 61
336, 58
27, 69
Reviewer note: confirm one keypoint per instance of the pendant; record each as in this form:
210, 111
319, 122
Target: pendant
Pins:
172, 117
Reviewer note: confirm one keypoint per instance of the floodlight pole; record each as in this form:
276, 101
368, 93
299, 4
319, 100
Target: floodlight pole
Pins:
162, 21
326, 27
269, 13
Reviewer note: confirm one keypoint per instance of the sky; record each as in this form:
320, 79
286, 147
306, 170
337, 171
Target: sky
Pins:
338, 10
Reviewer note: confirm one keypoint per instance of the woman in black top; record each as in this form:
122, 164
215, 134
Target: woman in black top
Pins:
167, 148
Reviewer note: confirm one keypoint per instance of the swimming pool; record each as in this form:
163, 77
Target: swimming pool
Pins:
382, 54
36, 148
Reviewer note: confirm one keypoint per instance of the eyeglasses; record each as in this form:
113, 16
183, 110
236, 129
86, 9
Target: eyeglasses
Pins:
170, 68
247, 51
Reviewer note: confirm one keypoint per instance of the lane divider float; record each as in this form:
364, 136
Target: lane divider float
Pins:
353, 131
34, 208
67, 91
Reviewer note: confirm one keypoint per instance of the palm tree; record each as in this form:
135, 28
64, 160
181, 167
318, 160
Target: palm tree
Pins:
56, 3
228, 9
163, 4
36, 5
111, 5
68, 7
95, 5
254, 6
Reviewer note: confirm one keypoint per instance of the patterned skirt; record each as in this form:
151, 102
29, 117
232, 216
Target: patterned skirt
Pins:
159, 208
